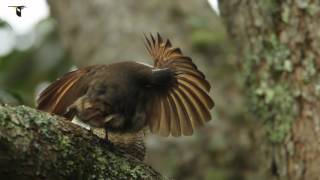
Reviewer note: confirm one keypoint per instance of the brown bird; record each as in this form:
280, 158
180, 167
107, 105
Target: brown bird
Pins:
170, 97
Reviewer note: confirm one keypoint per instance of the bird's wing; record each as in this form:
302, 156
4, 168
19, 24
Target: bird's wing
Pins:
59, 95
185, 103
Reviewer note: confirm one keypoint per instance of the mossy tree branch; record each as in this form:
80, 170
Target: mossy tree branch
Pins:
36, 145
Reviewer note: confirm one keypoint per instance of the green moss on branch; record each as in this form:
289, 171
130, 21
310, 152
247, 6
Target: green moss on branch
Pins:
36, 145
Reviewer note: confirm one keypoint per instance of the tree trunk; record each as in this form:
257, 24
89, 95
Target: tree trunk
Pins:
279, 42
35, 145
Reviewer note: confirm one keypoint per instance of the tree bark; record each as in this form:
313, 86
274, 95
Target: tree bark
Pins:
279, 42
37, 145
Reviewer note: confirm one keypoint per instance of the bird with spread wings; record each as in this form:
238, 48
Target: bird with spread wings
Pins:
169, 98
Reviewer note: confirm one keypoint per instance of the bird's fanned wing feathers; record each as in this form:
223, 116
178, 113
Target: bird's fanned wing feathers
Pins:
59, 95
181, 105
185, 104
174, 117
164, 128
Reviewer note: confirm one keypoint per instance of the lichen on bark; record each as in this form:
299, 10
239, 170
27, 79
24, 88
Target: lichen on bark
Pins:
37, 145
271, 93
279, 44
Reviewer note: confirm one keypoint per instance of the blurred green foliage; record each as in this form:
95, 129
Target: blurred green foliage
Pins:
2, 23
22, 70
208, 39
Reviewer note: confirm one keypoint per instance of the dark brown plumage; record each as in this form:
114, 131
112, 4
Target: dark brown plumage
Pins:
171, 97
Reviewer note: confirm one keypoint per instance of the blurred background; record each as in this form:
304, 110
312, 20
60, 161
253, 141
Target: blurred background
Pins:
53, 37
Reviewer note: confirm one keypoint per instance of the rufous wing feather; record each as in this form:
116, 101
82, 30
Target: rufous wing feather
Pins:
184, 103
174, 118
59, 95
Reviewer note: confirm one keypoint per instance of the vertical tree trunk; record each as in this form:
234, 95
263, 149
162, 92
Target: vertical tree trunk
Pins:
280, 46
